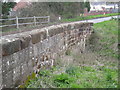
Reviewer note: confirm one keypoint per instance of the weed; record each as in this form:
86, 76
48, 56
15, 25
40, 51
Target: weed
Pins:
28, 80
108, 77
63, 78
71, 70
68, 52
44, 73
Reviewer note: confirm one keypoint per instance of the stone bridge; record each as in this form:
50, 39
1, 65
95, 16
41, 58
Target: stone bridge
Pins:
27, 52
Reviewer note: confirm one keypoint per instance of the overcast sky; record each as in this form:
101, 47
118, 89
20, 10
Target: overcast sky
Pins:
66, 0
17, 0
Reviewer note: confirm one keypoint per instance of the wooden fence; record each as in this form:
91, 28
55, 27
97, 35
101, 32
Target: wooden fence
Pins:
34, 21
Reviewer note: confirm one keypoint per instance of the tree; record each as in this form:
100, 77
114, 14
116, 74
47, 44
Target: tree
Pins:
87, 5
64, 9
6, 6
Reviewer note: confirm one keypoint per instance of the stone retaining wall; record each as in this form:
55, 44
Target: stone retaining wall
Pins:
30, 51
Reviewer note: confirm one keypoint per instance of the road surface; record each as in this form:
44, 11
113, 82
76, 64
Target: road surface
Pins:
100, 19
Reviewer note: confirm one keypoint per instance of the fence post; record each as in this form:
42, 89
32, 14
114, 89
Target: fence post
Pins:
17, 24
48, 18
35, 20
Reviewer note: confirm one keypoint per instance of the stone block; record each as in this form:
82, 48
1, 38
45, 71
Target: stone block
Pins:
50, 41
24, 67
31, 53
69, 27
1, 78
51, 32
21, 56
38, 36
10, 47
77, 25
64, 27
8, 80
0, 63
35, 50
58, 30
55, 31
7, 64
40, 48
30, 65
0, 50
27, 54
16, 73
25, 41
15, 59
44, 45
43, 35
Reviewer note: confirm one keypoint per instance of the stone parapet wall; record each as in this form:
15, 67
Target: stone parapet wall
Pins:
31, 51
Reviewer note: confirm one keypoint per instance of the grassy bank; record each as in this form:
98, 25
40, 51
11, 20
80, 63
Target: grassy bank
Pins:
79, 18
107, 38
97, 68
76, 77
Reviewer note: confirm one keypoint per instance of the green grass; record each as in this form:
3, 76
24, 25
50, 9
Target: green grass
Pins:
77, 77
108, 32
79, 18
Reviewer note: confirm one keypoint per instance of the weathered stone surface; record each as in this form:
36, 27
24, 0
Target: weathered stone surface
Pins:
25, 41
21, 57
31, 51
15, 59
43, 35
52, 32
0, 80
36, 37
0, 72
9, 47
8, 80
7, 64
56, 30
16, 74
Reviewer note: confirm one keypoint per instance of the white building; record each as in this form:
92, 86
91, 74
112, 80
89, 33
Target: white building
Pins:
103, 6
